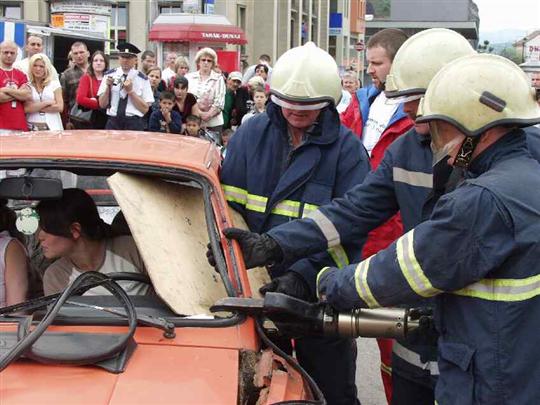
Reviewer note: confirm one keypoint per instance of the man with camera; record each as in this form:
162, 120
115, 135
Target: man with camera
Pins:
125, 92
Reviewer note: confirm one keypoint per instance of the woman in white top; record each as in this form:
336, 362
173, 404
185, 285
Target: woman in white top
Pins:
43, 111
13, 260
209, 89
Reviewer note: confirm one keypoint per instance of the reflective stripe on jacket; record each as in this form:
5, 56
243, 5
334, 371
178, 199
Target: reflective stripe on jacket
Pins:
478, 255
269, 189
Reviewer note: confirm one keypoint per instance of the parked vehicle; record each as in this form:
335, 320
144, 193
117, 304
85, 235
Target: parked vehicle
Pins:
160, 348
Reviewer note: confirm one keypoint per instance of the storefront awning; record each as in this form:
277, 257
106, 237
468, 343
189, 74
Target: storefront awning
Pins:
195, 28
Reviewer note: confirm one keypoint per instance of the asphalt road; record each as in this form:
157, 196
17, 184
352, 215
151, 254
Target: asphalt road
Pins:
368, 374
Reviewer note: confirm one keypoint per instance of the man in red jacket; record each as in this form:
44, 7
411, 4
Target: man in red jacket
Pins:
378, 124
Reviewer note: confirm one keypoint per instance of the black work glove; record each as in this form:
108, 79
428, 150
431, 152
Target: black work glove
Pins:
291, 284
426, 334
210, 256
258, 250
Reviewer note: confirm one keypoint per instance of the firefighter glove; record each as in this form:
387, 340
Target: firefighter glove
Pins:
290, 283
258, 250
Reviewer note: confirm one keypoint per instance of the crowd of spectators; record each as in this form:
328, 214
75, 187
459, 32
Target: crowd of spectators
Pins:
139, 94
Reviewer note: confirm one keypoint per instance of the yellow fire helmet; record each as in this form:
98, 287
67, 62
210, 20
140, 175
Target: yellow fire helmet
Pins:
420, 58
305, 74
478, 92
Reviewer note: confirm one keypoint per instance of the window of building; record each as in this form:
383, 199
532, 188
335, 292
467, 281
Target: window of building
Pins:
241, 22
169, 7
11, 10
119, 23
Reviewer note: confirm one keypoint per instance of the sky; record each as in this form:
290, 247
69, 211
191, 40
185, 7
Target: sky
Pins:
509, 14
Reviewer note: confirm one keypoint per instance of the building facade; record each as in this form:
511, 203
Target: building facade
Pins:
271, 26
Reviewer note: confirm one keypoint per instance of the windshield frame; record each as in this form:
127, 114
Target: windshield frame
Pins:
168, 173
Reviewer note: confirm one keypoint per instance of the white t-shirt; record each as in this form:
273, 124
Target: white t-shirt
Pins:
53, 120
378, 119
344, 102
167, 74
121, 255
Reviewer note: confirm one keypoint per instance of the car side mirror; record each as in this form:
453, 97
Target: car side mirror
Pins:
31, 188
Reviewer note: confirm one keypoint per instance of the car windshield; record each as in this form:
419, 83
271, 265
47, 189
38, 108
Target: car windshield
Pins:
156, 227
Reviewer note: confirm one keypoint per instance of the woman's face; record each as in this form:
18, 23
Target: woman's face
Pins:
180, 93
38, 69
182, 70
206, 63
155, 77
53, 246
98, 63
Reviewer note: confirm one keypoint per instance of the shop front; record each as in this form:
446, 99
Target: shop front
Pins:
185, 34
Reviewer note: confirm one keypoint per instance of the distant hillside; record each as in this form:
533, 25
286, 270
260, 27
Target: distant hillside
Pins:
502, 36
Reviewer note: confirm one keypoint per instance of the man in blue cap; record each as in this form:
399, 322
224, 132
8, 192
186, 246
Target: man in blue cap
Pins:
125, 92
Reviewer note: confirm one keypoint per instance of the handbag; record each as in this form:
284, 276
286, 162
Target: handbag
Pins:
81, 115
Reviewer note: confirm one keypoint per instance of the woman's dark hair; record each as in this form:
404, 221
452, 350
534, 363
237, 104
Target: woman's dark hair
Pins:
261, 65
180, 82
90, 68
57, 216
8, 219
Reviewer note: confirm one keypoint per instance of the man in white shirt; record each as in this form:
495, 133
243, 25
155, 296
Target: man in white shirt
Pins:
250, 71
34, 44
169, 72
126, 92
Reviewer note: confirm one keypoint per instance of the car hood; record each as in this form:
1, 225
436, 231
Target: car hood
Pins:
156, 374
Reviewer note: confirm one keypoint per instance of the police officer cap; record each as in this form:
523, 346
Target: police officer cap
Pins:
127, 50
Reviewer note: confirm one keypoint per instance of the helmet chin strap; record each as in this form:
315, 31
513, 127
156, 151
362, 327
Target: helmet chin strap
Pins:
466, 150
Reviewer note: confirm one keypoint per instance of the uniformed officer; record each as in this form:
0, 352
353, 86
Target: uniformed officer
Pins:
125, 92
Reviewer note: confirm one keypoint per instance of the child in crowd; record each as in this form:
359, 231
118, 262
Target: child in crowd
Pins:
259, 103
225, 136
193, 127
165, 119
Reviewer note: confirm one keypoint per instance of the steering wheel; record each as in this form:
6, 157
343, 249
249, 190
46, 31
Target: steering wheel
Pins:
24, 346
129, 276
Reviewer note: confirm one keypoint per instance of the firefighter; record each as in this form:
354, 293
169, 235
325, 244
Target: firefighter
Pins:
402, 182
478, 252
284, 163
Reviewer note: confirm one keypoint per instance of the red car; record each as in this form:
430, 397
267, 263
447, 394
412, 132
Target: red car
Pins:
160, 348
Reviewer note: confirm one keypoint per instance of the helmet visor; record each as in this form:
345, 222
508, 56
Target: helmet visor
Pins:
300, 106
403, 99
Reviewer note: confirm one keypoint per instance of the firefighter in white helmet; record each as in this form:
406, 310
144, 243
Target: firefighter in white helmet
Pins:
283, 164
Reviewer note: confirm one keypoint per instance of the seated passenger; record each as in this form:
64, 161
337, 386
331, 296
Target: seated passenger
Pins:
13, 260
72, 232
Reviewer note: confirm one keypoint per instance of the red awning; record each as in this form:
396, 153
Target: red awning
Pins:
166, 28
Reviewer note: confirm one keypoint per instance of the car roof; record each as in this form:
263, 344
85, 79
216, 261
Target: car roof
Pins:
121, 146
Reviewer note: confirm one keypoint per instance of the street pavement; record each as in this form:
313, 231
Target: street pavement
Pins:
368, 373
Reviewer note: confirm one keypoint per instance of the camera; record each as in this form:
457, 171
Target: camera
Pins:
117, 81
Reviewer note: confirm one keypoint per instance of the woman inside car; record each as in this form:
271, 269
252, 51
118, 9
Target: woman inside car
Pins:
13, 260
72, 232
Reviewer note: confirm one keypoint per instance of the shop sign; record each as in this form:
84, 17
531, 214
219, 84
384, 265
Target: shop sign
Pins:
84, 7
219, 35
